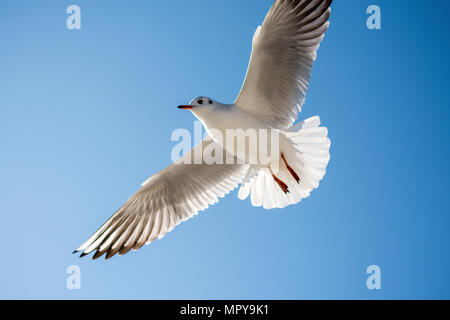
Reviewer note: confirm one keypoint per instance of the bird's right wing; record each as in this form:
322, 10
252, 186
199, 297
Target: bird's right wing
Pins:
171, 196
283, 53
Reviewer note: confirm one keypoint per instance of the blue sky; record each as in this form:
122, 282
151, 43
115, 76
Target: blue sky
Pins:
86, 116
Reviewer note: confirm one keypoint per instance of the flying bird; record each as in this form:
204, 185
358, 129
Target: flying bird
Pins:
283, 52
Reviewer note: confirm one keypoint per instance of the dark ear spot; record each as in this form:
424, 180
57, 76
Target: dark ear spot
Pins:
210, 101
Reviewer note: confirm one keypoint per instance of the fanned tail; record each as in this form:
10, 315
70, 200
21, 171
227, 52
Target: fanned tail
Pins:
302, 165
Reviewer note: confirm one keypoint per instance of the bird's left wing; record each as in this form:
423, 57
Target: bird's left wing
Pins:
283, 53
171, 196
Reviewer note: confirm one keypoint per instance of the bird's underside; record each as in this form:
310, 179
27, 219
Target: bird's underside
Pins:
283, 52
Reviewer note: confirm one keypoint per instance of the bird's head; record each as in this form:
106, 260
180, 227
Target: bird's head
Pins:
200, 106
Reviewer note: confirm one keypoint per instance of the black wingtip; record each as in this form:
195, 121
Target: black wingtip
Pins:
97, 255
75, 251
109, 255
83, 254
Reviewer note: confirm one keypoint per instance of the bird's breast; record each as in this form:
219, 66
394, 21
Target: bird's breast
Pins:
242, 135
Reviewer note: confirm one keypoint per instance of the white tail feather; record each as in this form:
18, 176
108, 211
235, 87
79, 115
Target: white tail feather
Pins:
307, 153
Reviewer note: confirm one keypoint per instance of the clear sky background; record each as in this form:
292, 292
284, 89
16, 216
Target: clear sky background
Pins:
86, 116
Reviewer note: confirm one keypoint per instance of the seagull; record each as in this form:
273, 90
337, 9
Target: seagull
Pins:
283, 53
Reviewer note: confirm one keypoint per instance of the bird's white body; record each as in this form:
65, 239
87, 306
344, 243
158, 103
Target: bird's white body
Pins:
224, 116
283, 52
241, 133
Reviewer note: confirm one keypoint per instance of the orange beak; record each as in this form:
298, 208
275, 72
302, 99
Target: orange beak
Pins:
185, 107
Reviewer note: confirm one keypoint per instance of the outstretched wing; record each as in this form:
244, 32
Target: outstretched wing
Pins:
171, 196
283, 53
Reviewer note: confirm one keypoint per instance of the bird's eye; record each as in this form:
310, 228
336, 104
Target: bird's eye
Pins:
210, 101
200, 101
